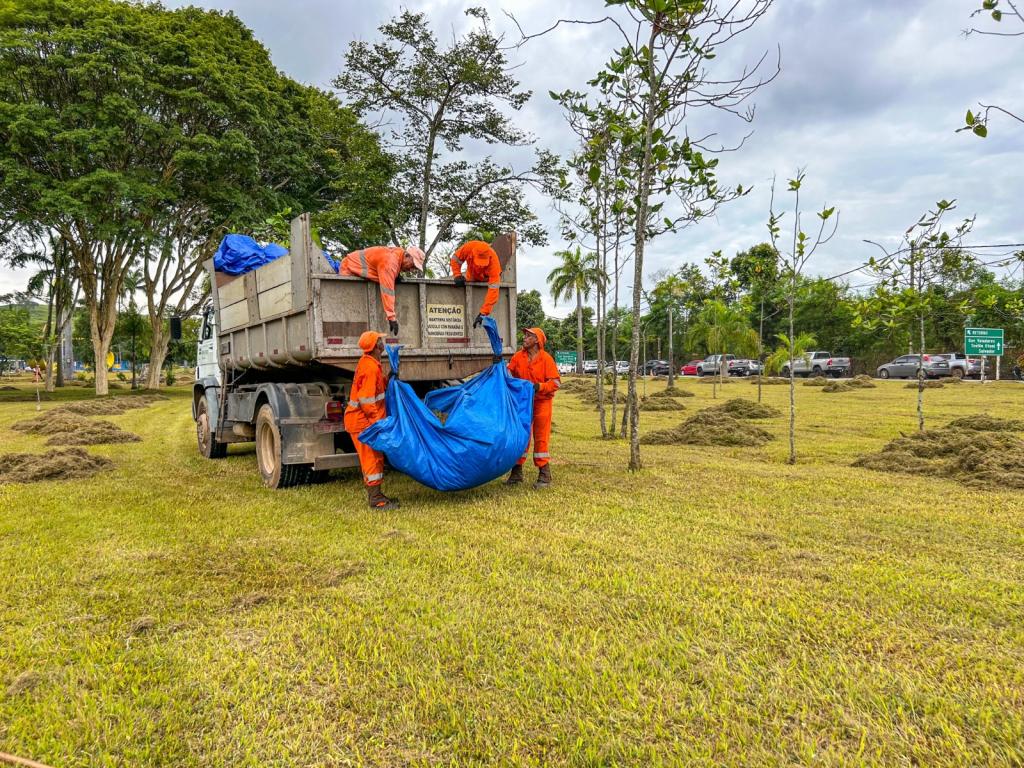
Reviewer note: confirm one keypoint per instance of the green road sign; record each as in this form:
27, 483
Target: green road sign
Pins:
983, 341
564, 357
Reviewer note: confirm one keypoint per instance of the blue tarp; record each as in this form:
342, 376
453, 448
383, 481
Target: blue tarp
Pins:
239, 254
484, 430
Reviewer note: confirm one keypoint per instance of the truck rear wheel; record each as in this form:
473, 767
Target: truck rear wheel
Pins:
275, 473
208, 445
958, 373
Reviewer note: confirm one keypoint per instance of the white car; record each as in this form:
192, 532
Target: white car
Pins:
590, 366
567, 368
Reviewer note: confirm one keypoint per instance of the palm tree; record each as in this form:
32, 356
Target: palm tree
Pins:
579, 274
778, 361
722, 329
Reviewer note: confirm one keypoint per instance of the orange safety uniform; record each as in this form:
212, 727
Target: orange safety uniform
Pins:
543, 371
381, 264
482, 265
365, 406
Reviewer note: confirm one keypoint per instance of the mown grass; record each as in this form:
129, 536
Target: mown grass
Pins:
716, 608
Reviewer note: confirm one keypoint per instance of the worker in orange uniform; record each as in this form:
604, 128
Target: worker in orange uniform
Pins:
365, 406
532, 363
382, 264
482, 266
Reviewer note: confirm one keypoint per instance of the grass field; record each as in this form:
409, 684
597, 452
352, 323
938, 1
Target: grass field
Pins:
716, 608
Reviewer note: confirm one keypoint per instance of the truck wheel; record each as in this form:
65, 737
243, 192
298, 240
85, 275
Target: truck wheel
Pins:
275, 473
958, 373
208, 445
817, 370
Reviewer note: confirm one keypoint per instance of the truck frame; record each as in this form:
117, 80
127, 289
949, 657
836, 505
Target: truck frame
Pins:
278, 349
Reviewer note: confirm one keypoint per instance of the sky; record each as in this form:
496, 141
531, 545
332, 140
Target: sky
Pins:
867, 103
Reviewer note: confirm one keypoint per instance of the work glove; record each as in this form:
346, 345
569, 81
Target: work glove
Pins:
536, 388
460, 281
393, 327
478, 321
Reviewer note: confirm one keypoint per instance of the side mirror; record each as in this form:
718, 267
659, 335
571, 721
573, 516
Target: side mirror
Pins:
176, 329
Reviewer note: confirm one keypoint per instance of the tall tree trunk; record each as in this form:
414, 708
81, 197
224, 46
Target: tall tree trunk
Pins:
600, 301
579, 329
671, 352
920, 379
760, 352
792, 376
157, 355
615, 330
425, 193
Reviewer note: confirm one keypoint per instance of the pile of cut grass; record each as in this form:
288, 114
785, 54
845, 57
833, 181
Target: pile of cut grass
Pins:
927, 384
981, 459
710, 427
862, 381
112, 406
66, 464
837, 386
661, 404
739, 408
848, 385
954, 380
817, 381
673, 392
768, 381
714, 380
985, 423
65, 428
575, 384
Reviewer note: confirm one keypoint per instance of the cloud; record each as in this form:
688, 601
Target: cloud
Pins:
868, 100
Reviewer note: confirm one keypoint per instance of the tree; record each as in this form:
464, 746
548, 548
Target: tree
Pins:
125, 127
757, 271
906, 275
18, 336
977, 123
792, 263
657, 80
578, 275
681, 293
529, 310
722, 330
441, 97
779, 360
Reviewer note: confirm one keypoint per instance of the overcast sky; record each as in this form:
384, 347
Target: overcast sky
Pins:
868, 100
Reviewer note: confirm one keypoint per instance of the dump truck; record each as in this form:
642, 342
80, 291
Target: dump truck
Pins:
278, 349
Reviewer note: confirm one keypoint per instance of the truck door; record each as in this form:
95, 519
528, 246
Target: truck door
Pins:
207, 366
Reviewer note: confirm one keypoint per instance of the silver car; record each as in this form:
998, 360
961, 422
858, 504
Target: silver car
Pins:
905, 367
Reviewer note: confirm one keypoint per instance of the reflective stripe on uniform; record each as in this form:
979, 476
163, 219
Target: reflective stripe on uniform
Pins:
366, 400
542, 455
362, 263
387, 291
371, 478
493, 285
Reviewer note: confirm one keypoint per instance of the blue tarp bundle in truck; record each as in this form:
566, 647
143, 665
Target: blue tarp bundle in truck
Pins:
239, 254
485, 429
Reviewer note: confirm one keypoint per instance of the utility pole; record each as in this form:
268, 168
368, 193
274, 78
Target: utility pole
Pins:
671, 351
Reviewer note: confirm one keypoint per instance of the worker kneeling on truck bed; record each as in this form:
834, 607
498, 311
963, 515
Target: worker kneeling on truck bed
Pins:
381, 264
365, 406
482, 265
532, 363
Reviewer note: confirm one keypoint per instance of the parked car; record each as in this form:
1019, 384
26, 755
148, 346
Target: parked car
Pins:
590, 366
564, 368
744, 367
711, 364
621, 367
655, 368
736, 366
819, 364
690, 369
905, 367
960, 365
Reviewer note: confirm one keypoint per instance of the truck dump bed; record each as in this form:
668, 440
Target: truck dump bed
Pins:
296, 311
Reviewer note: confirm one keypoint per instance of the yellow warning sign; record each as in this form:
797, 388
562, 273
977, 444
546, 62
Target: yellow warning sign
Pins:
446, 320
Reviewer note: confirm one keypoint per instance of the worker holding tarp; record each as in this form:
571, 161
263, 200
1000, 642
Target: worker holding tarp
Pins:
535, 365
365, 407
482, 266
381, 264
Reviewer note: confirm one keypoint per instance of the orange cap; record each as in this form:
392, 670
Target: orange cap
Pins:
368, 340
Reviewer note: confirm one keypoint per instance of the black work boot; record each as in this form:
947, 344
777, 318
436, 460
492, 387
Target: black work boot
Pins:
378, 501
515, 477
543, 477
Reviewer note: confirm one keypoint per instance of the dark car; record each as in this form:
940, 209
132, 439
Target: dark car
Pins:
905, 367
656, 368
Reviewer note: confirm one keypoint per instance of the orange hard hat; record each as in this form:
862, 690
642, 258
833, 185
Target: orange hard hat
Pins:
368, 340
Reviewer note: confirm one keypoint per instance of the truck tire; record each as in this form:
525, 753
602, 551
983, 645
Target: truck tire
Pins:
208, 445
275, 473
957, 373
817, 370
